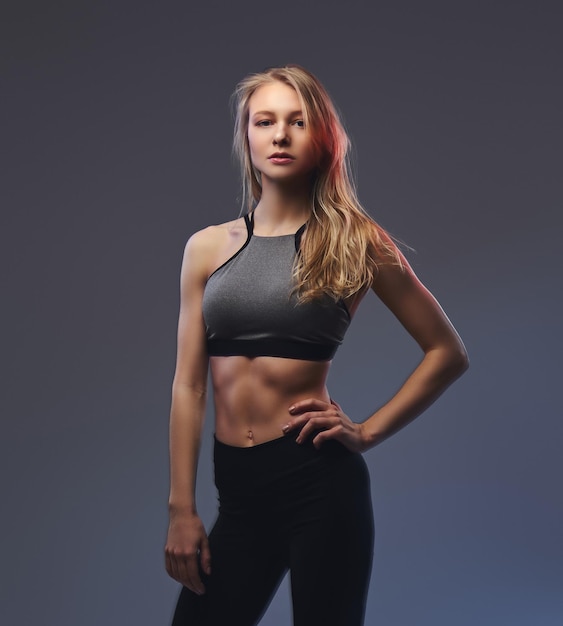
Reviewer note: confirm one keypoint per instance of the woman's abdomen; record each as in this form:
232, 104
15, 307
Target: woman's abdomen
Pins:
252, 395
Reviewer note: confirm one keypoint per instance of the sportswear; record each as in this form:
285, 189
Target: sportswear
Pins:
286, 505
249, 308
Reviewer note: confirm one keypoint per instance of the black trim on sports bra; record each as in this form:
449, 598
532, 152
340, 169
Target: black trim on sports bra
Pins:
298, 236
249, 221
249, 230
284, 348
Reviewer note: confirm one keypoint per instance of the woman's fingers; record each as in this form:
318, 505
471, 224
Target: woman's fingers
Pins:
310, 404
185, 571
305, 418
205, 556
186, 547
332, 433
304, 410
190, 574
183, 567
316, 422
168, 565
313, 415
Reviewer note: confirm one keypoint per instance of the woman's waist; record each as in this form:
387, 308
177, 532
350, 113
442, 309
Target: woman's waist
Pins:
275, 467
251, 415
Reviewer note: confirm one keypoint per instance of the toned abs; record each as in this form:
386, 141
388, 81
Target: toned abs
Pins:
252, 395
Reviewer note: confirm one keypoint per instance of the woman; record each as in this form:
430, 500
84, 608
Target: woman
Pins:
265, 302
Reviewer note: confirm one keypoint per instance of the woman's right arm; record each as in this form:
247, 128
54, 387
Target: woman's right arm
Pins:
187, 540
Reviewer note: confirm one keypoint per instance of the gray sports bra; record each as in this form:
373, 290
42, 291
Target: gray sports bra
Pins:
248, 308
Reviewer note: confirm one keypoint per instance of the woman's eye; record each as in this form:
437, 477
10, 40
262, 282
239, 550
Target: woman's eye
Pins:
300, 123
264, 123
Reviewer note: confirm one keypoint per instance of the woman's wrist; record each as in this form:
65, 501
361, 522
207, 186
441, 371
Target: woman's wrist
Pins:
181, 508
370, 435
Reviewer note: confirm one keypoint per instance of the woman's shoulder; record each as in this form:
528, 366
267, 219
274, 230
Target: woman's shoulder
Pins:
216, 235
214, 241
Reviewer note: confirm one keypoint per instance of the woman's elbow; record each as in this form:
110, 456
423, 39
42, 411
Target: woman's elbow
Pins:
458, 360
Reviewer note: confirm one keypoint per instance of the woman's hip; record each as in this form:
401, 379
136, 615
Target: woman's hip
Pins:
280, 474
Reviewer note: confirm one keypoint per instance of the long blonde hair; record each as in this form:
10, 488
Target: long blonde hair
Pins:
343, 246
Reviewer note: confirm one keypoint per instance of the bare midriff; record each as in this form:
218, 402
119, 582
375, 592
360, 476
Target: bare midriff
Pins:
253, 395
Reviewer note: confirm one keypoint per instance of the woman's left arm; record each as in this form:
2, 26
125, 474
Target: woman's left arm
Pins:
445, 359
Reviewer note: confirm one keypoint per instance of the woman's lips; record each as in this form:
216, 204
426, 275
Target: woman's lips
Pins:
281, 160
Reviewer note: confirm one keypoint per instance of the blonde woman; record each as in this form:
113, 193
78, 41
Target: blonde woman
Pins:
265, 302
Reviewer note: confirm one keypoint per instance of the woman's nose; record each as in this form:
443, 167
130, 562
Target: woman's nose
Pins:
281, 135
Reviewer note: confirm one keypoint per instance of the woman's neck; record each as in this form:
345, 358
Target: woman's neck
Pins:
282, 208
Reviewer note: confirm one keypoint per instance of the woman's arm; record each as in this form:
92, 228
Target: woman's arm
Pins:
445, 359
187, 540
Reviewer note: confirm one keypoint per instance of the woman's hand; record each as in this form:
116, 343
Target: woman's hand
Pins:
313, 415
186, 544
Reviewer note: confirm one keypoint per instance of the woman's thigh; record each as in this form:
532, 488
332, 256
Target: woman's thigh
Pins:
246, 570
332, 549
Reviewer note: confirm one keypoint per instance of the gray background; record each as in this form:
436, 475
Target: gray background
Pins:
116, 147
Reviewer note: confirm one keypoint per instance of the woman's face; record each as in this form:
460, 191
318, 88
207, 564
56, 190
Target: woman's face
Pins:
280, 145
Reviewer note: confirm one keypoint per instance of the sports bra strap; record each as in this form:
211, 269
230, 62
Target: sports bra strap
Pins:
298, 236
249, 221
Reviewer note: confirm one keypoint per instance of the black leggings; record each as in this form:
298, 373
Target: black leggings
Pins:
284, 505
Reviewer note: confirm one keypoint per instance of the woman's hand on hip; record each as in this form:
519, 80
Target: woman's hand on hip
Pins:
314, 415
186, 545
